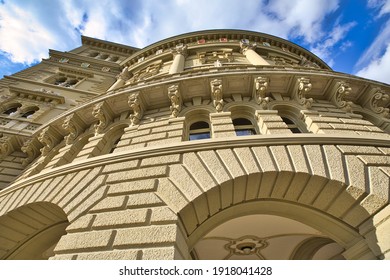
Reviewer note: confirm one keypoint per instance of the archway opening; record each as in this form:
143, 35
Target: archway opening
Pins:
32, 231
265, 237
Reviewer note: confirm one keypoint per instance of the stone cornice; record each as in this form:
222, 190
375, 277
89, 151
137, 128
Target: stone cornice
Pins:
229, 34
101, 44
204, 145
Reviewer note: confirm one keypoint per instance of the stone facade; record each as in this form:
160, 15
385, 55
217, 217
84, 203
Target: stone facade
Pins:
209, 145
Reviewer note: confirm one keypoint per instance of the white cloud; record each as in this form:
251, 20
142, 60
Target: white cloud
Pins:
302, 18
375, 61
324, 49
378, 69
23, 38
382, 5
142, 22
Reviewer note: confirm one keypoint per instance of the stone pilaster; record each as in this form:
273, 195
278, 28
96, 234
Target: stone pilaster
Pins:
221, 125
270, 122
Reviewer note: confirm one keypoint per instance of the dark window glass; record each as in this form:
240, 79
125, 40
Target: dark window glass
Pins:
199, 130
28, 114
291, 125
10, 110
243, 127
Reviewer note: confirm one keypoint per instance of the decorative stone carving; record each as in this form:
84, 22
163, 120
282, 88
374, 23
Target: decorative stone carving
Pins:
174, 96
221, 56
260, 88
306, 63
145, 73
99, 113
5, 146
124, 75
73, 125
342, 90
375, 101
245, 45
31, 150
135, 104
47, 140
179, 49
216, 94
303, 87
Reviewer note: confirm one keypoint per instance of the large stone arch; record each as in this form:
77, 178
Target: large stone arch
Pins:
32, 231
276, 198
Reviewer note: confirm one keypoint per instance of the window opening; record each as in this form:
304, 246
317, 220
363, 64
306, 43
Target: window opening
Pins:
199, 130
291, 125
243, 127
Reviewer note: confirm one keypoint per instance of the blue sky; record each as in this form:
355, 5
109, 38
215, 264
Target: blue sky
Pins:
352, 36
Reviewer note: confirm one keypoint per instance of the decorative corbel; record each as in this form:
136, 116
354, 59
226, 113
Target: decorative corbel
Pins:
176, 101
74, 126
216, 94
302, 88
259, 93
342, 89
5, 146
135, 104
30, 148
48, 138
103, 113
377, 99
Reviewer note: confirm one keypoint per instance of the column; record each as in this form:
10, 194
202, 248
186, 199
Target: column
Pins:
179, 55
249, 51
121, 79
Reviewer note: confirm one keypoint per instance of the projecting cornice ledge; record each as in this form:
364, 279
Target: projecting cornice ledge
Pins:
204, 145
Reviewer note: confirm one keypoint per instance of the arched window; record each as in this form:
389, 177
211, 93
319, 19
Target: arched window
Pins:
243, 127
28, 114
12, 110
114, 145
199, 130
291, 125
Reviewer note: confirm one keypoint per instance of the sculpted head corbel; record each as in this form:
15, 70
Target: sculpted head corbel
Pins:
303, 88
175, 98
135, 104
216, 94
30, 148
342, 90
378, 98
260, 87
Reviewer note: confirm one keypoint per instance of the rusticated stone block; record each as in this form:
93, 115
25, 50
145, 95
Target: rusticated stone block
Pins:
120, 218
82, 241
161, 234
142, 173
133, 187
112, 255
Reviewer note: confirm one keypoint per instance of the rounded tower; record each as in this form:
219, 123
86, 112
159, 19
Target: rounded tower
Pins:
218, 144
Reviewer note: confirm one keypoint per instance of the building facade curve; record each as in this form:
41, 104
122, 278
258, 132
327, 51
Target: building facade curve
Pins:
217, 144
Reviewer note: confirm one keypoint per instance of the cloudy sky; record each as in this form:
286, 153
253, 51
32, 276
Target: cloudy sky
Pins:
352, 36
